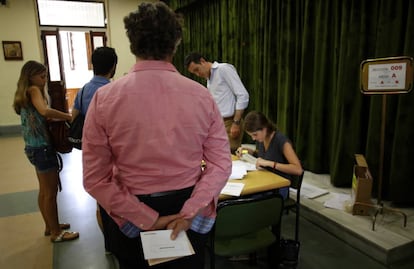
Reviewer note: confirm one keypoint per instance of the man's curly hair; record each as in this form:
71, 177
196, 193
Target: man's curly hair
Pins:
154, 31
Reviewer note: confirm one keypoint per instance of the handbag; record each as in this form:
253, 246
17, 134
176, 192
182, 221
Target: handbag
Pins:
76, 128
59, 130
59, 133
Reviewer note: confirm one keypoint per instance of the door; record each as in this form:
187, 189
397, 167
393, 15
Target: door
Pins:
62, 52
56, 78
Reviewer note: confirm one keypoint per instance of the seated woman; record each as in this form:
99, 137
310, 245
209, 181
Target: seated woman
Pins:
273, 149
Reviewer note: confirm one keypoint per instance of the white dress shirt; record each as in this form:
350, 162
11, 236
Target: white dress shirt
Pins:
227, 89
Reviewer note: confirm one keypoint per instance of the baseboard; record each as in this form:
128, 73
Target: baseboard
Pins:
10, 130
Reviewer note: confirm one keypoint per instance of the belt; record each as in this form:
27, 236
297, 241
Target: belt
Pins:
166, 193
228, 118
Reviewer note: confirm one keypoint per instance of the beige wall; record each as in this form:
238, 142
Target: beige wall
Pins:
18, 22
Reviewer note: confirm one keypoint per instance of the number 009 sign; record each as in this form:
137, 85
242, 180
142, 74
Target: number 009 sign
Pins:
387, 75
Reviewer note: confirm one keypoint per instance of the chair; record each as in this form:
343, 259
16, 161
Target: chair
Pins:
246, 225
290, 203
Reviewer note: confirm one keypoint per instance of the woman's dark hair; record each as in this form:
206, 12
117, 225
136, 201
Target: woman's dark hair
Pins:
256, 121
154, 31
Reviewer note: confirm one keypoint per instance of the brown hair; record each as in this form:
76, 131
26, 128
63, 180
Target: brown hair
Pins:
256, 121
154, 31
29, 69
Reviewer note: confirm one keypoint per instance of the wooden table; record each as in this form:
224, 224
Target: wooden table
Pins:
258, 181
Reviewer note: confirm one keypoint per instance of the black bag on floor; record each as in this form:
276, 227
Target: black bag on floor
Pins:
289, 253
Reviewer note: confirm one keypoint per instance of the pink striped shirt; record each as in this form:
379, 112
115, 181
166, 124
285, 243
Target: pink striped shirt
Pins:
147, 132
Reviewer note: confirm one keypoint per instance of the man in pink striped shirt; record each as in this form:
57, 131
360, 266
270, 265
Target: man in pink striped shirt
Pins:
144, 138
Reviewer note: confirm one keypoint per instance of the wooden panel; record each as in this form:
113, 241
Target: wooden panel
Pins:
70, 97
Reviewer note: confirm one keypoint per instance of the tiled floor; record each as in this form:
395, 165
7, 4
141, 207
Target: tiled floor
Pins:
22, 244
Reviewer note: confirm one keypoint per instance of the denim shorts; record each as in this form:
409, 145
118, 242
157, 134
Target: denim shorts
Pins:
43, 158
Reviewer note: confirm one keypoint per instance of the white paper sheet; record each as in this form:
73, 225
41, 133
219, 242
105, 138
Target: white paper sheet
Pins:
158, 245
249, 158
310, 191
233, 188
337, 201
248, 166
238, 170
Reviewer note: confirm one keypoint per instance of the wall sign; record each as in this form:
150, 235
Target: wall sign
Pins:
387, 75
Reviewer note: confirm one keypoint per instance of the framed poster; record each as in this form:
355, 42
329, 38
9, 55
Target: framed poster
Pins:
12, 50
387, 75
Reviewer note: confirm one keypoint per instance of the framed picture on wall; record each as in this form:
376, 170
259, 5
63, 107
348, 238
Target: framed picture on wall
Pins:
12, 50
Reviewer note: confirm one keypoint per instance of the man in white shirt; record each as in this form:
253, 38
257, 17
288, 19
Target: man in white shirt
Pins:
228, 91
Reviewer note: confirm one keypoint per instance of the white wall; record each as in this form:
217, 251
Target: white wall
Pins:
18, 22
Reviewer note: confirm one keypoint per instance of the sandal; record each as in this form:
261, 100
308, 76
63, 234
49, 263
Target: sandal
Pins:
65, 236
62, 226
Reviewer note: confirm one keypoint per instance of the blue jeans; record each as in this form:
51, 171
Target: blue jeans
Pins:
43, 158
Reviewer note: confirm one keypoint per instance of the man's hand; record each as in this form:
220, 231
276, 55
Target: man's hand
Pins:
163, 221
178, 225
235, 130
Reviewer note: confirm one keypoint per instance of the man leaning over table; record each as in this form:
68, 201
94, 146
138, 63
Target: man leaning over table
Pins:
228, 91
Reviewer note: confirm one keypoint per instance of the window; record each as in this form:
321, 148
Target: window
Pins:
71, 13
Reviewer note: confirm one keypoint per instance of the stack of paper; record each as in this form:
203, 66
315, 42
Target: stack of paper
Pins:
248, 166
239, 169
159, 248
232, 188
249, 158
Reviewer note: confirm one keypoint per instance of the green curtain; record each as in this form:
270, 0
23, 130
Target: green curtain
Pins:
300, 61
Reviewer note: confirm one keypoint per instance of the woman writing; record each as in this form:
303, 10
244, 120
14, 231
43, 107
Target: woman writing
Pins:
30, 103
273, 149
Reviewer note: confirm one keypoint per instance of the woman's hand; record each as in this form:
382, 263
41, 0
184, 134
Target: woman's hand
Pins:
241, 150
261, 163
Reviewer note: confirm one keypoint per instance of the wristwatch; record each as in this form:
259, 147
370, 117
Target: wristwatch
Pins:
237, 122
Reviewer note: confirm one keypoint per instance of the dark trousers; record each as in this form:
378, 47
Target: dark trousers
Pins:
129, 252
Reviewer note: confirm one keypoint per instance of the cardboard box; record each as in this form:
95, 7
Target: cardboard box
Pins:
361, 187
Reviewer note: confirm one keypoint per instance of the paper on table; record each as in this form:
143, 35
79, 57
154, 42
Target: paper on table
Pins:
158, 247
248, 166
238, 170
249, 158
232, 188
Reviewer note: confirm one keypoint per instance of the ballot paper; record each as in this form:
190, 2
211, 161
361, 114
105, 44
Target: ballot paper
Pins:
246, 165
238, 170
232, 188
159, 248
248, 158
